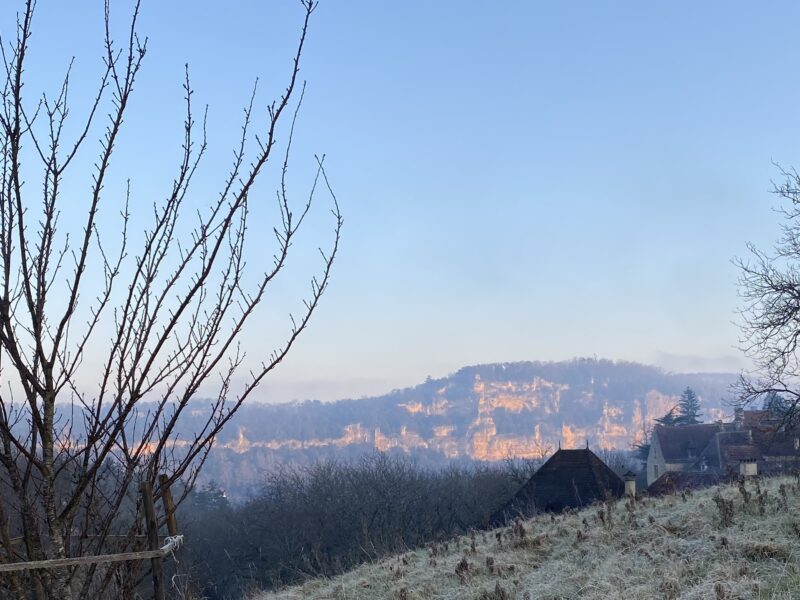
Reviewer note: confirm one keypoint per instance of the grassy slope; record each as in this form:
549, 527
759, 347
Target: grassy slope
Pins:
673, 547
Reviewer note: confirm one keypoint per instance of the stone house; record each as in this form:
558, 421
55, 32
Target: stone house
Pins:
754, 442
677, 449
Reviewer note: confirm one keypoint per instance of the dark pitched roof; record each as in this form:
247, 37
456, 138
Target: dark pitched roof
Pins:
715, 456
732, 454
570, 478
676, 442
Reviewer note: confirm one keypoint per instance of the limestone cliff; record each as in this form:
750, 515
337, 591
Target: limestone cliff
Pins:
485, 412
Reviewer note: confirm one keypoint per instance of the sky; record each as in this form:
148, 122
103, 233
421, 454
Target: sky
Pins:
519, 180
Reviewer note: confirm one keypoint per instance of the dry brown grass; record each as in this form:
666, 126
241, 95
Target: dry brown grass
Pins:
722, 543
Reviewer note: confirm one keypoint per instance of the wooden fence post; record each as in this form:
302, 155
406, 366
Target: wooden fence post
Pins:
169, 505
152, 537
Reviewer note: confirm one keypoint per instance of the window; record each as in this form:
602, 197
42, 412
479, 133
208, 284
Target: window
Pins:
655, 471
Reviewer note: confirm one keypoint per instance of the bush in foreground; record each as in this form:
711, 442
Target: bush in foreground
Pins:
328, 517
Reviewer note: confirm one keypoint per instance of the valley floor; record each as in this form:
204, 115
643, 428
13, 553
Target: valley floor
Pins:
673, 547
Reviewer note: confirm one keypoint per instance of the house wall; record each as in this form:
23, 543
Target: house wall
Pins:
656, 466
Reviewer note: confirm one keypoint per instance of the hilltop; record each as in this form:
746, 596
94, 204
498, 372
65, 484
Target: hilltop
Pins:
482, 412
724, 542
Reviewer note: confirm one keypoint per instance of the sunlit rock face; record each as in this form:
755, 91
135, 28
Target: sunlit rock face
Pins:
485, 412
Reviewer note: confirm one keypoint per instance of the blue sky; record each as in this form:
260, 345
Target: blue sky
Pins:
520, 180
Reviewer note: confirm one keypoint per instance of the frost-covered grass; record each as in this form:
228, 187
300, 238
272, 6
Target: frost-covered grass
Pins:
727, 542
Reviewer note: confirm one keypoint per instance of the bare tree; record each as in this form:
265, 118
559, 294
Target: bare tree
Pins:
167, 311
769, 285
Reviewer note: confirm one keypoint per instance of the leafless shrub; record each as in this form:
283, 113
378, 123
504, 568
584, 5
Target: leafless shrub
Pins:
743, 492
783, 503
463, 570
669, 587
761, 501
518, 530
720, 591
600, 517
163, 310
499, 593
725, 509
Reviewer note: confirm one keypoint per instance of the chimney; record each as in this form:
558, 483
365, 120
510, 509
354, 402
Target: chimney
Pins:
738, 417
748, 467
630, 484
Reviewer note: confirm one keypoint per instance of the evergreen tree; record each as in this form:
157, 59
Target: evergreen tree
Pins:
687, 411
671, 418
642, 451
688, 408
210, 498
